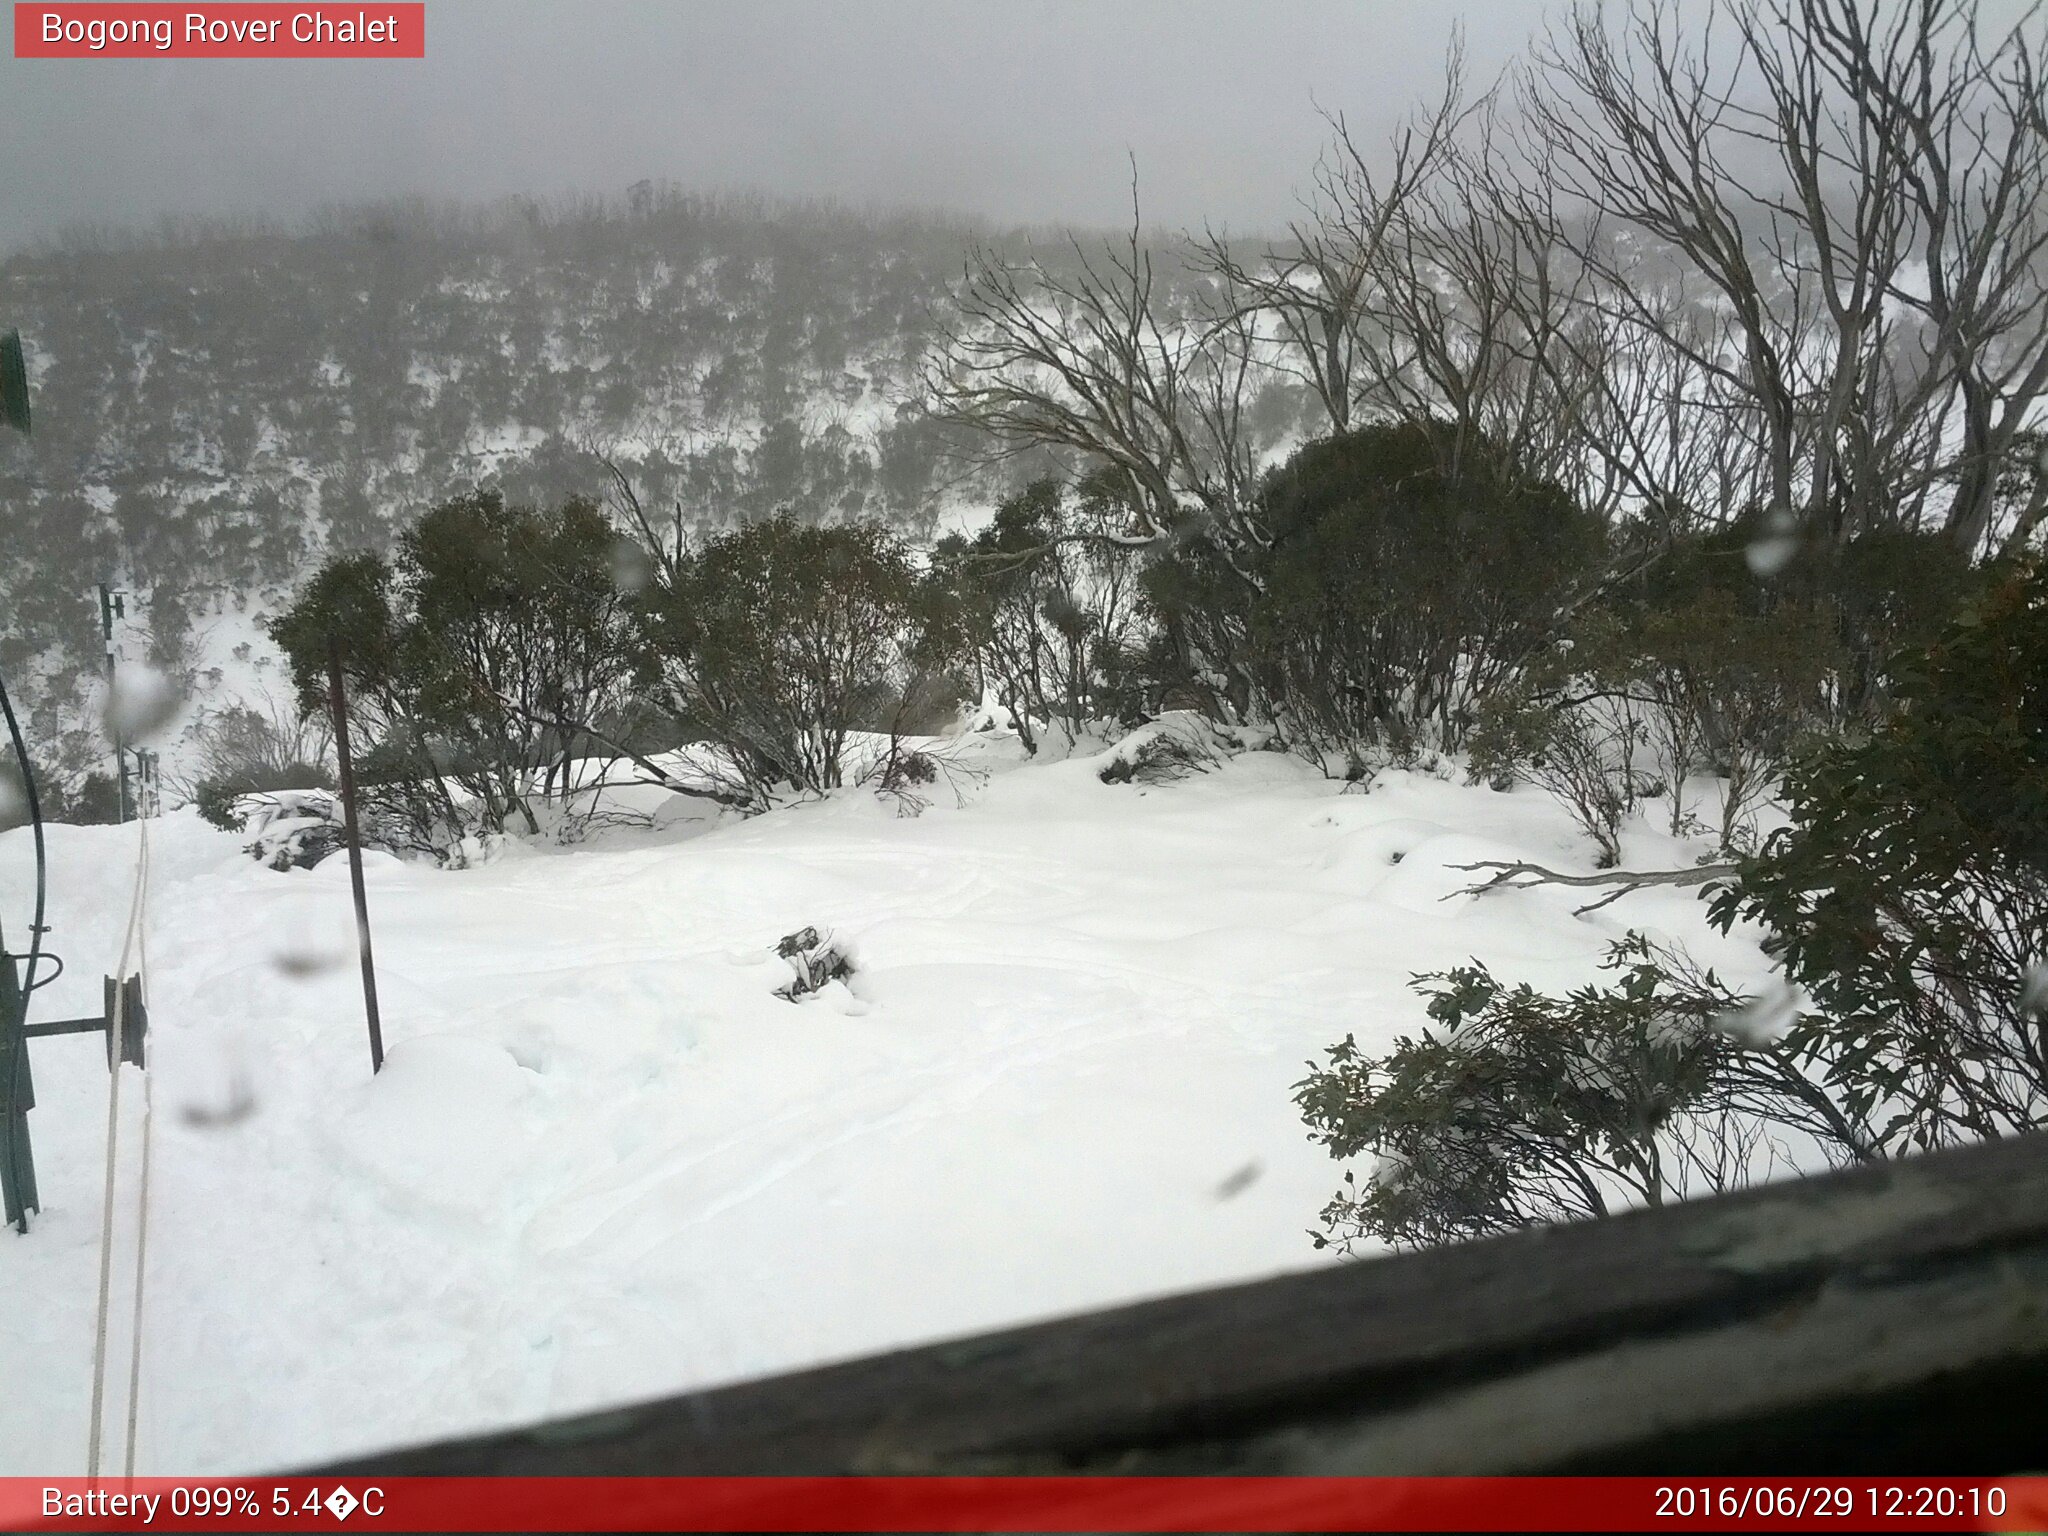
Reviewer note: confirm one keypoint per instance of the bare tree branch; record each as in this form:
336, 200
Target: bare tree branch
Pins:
1515, 875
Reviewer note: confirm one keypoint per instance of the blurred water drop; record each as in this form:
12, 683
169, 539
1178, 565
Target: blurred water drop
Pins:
1240, 1181
141, 704
237, 1104
1763, 1019
632, 570
2034, 988
215, 1086
1774, 548
311, 943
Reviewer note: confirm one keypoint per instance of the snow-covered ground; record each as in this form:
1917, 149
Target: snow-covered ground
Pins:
605, 1161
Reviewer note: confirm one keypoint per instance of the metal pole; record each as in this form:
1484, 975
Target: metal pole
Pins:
17, 1094
110, 605
17, 1097
17, 1090
355, 851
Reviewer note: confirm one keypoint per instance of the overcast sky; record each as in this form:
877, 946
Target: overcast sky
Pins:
1020, 110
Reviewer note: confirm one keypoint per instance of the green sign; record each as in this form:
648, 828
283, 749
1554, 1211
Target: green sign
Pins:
13, 383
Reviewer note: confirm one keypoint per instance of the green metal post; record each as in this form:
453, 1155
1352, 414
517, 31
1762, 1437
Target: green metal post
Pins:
17, 1093
17, 1159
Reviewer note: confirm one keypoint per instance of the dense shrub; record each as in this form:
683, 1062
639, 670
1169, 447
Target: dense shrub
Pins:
1639, 697
777, 641
1392, 597
1517, 1108
1907, 904
1714, 668
476, 660
80, 800
1051, 607
1909, 894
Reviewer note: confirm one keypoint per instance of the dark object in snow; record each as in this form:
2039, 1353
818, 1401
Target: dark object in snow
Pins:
815, 961
1179, 743
908, 769
293, 829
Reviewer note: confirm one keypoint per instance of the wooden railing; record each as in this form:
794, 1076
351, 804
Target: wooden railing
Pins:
1890, 1319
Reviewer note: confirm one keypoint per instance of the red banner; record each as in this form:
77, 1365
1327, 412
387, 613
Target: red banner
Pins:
1052, 1504
79, 30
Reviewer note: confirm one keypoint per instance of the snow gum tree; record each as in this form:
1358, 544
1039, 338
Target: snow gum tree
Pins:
778, 640
1909, 894
475, 659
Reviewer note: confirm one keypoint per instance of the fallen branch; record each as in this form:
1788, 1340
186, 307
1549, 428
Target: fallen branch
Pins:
1514, 875
1002, 561
659, 777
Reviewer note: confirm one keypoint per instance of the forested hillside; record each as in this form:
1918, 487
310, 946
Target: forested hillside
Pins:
217, 408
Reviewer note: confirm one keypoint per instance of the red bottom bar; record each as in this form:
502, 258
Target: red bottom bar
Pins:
1050, 1504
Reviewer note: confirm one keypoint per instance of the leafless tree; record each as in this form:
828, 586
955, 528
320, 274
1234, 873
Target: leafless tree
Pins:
1086, 350
1860, 189
1317, 293
1477, 318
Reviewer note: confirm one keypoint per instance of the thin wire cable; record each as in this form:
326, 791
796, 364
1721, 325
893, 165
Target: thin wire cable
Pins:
142, 1195
120, 1027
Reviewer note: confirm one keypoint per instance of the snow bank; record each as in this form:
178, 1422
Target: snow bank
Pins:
605, 1160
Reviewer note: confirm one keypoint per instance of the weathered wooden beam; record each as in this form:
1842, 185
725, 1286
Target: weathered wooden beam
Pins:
1888, 1319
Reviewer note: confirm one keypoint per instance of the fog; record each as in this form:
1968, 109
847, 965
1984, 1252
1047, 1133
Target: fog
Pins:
1029, 111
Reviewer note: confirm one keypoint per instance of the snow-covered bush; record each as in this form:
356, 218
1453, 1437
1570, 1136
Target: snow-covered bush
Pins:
290, 829
1049, 593
477, 661
1517, 1108
1177, 744
242, 750
778, 641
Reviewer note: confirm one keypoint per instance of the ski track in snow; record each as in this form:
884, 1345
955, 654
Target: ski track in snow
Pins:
605, 1162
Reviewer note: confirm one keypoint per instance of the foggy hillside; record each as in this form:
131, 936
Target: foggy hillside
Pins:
218, 407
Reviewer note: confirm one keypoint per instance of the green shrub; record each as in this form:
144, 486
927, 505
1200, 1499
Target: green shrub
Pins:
1909, 894
476, 660
1392, 597
778, 641
1518, 1108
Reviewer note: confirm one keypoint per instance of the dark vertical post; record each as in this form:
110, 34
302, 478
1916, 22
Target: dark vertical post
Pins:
111, 609
336, 704
17, 1097
17, 1094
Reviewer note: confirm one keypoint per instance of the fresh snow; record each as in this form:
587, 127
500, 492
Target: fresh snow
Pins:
604, 1161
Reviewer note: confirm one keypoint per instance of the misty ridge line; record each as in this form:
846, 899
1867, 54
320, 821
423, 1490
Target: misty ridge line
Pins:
520, 217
